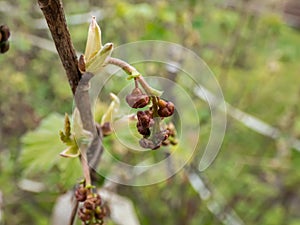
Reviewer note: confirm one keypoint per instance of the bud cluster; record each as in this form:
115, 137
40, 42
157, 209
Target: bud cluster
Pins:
92, 210
4, 35
148, 121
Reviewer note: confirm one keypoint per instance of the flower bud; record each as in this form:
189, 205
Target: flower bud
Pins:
106, 129
144, 118
166, 108
81, 64
83, 215
4, 46
137, 99
145, 131
100, 213
80, 194
5, 33
89, 204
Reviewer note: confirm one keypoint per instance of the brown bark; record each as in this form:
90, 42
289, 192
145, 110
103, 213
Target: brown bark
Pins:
55, 17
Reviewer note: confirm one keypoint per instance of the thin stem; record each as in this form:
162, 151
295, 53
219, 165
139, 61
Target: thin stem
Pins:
156, 117
73, 214
122, 64
130, 70
85, 167
136, 84
149, 90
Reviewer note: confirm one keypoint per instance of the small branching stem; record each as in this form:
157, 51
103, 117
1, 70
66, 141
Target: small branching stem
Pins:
85, 167
122, 64
130, 70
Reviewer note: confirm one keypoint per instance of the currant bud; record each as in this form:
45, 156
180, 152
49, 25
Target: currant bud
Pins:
144, 118
89, 205
137, 99
80, 194
81, 64
166, 108
84, 215
5, 33
145, 131
4, 46
100, 213
106, 129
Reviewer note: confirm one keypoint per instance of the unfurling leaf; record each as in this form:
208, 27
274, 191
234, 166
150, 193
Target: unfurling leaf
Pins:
94, 42
95, 54
40, 154
77, 138
65, 136
81, 136
96, 63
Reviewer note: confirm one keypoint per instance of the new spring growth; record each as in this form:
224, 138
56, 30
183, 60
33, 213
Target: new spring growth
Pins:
149, 120
92, 210
94, 58
75, 137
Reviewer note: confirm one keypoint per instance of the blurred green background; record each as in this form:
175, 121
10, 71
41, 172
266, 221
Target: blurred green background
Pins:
252, 47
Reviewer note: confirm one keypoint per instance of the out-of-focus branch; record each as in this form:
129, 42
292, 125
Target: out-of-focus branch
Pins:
55, 17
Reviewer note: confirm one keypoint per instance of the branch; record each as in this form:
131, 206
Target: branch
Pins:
82, 99
55, 17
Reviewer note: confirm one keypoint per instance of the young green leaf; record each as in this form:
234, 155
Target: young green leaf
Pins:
94, 42
40, 150
95, 54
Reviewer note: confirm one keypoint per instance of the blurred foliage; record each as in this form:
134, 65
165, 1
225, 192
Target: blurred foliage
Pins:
254, 56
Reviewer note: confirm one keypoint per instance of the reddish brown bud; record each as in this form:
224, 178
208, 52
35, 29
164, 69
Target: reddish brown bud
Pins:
143, 118
81, 64
5, 33
166, 142
97, 200
137, 99
100, 213
106, 129
80, 194
83, 215
89, 205
165, 108
145, 131
4, 46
